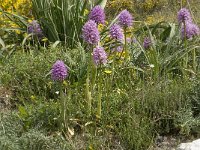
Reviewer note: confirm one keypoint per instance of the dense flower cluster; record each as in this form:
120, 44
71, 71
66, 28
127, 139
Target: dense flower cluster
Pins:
90, 32
59, 71
116, 32
125, 19
184, 16
189, 30
147, 42
34, 27
22, 7
97, 14
99, 56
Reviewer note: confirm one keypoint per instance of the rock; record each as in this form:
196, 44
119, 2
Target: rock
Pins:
195, 145
165, 143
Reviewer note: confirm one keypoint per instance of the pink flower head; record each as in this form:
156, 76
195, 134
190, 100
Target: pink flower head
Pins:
125, 19
59, 71
97, 14
99, 55
90, 32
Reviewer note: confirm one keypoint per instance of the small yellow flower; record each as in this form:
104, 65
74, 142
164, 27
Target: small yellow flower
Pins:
98, 117
33, 97
149, 20
121, 54
119, 91
106, 22
18, 31
108, 71
50, 84
65, 83
30, 20
107, 39
154, 19
90, 147
86, 12
25, 34
100, 27
45, 39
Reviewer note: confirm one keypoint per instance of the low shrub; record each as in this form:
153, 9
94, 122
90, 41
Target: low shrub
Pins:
13, 137
29, 73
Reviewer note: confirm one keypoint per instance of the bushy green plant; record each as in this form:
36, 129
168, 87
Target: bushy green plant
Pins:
62, 20
40, 115
186, 122
167, 52
13, 137
29, 73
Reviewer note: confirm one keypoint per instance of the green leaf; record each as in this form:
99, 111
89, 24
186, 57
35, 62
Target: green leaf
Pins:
102, 3
55, 44
2, 43
22, 112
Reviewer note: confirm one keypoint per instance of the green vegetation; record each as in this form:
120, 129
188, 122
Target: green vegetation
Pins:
135, 97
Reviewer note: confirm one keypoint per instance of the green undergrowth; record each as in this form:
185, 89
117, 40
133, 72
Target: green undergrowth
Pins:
140, 94
134, 111
14, 137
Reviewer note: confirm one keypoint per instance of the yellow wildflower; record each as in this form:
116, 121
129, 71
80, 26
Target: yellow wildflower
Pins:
30, 20
45, 39
86, 12
108, 71
65, 83
100, 27
33, 97
18, 31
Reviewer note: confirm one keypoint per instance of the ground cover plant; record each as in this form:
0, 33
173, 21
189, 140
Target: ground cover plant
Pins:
77, 79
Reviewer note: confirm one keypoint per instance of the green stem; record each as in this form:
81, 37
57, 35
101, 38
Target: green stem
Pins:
108, 87
185, 42
93, 76
87, 89
99, 95
194, 60
63, 117
88, 96
125, 46
93, 72
113, 64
